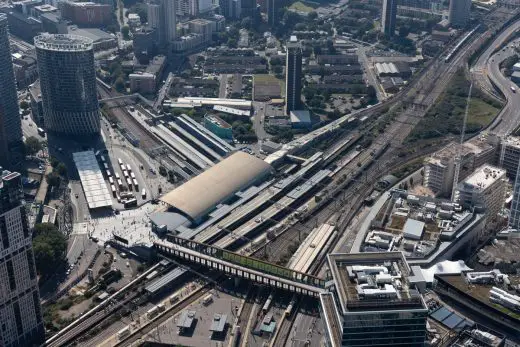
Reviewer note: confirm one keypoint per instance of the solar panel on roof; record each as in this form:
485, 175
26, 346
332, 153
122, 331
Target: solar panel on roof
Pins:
452, 321
441, 314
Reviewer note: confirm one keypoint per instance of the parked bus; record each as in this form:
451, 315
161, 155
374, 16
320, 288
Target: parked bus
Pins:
129, 183
120, 184
102, 159
143, 194
125, 173
132, 175
119, 161
109, 174
208, 299
106, 166
117, 176
41, 132
128, 167
114, 192
130, 203
111, 180
136, 185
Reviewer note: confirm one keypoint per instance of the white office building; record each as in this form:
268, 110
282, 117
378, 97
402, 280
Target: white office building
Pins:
21, 322
484, 189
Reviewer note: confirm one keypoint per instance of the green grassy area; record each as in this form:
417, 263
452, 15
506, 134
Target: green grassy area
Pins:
303, 6
481, 113
446, 116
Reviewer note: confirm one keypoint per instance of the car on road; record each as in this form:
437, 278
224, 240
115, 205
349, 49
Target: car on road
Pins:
77, 196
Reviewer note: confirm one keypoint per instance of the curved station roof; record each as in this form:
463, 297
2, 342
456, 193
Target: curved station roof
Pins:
203, 193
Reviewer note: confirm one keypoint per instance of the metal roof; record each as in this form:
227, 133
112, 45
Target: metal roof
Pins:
186, 319
203, 193
96, 190
160, 283
219, 323
413, 229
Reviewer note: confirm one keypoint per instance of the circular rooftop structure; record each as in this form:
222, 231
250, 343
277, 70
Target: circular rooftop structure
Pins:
63, 42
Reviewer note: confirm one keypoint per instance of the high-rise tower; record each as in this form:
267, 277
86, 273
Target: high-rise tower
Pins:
11, 145
293, 75
169, 20
388, 17
459, 12
514, 213
21, 322
68, 84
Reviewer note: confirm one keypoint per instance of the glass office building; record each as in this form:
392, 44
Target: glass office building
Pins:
11, 145
68, 84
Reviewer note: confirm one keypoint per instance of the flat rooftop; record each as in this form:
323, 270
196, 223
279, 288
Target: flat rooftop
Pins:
186, 319
94, 185
374, 282
484, 177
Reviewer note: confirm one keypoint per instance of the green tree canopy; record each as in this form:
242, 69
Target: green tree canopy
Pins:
49, 247
32, 145
125, 30
24, 105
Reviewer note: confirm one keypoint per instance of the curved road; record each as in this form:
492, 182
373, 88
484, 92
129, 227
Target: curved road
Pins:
487, 71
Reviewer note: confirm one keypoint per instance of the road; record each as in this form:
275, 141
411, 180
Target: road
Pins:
486, 71
258, 119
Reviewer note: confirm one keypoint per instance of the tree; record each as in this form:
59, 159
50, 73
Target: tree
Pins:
120, 84
62, 169
32, 145
49, 247
53, 179
24, 105
246, 23
125, 31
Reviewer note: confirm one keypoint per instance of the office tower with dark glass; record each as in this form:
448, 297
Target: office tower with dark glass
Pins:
68, 84
459, 12
11, 145
169, 20
373, 302
21, 322
388, 17
514, 213
293, 76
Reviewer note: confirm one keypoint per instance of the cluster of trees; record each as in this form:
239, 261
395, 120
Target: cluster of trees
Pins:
507, 64
32, 145
58, 173
117, 76
49, 247
446, 116
243, 130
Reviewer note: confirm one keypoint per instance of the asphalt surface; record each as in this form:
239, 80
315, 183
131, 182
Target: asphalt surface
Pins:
487, 70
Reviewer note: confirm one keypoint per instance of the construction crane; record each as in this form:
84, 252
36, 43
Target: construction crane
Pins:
458, 159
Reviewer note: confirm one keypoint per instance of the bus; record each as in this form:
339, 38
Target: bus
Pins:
136, 185
132, 175
41, 132
119, 161
143, 194
208, 299
120, 184
128, 167
117, 176
106, 166
109, 174
129, 183
102, 159
125, 173
114, 192
130, 203
111, 180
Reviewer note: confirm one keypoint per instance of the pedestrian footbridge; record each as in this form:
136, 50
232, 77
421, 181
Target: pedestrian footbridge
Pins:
237, 265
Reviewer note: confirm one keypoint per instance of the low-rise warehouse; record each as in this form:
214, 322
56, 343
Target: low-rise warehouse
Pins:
200, 195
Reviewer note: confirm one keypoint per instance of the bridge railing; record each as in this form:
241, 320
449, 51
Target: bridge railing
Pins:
248, 262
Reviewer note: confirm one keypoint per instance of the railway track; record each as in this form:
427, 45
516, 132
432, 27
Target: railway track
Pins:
70, 337
164, 317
